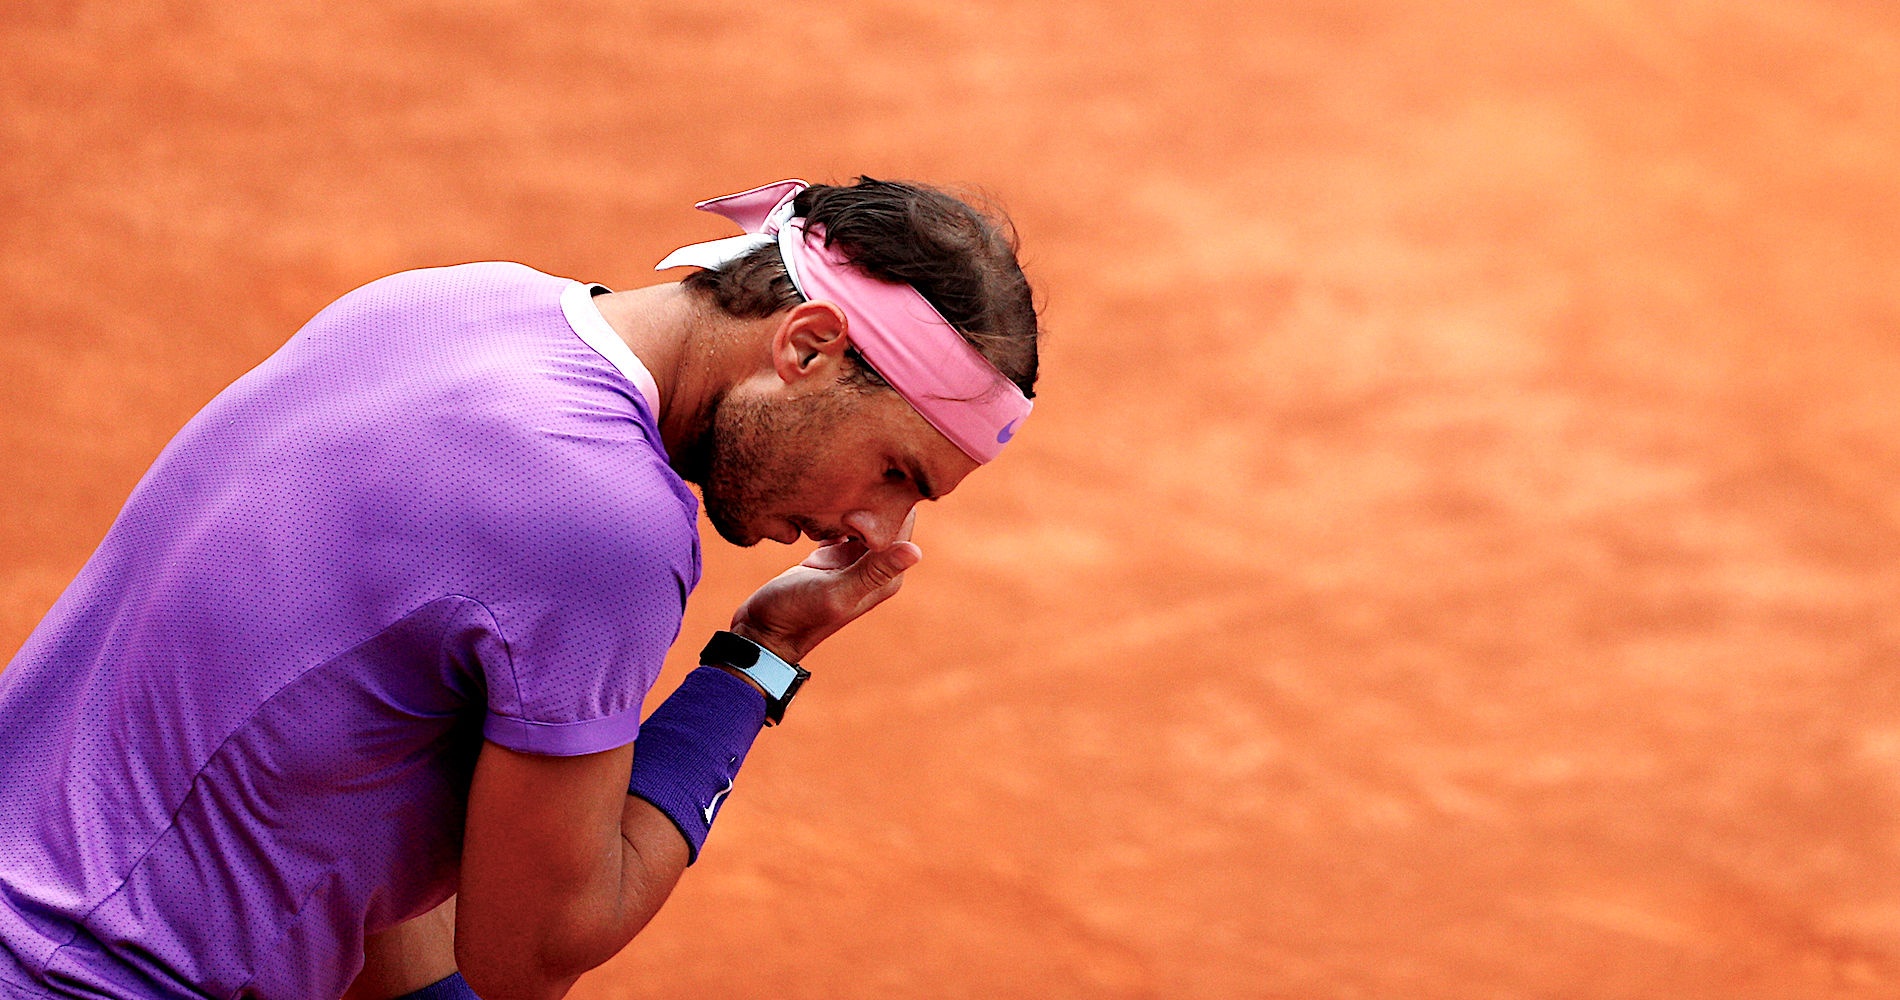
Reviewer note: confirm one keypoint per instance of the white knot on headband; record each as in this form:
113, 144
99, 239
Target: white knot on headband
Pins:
900, 334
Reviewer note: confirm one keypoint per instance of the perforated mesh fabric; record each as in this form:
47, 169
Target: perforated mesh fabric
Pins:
245, 731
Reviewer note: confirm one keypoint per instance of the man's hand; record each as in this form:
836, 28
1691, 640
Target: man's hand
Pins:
800, 607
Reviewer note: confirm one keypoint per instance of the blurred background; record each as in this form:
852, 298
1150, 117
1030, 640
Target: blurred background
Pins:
1454, 554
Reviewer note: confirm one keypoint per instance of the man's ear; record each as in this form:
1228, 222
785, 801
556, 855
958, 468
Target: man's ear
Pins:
810, 341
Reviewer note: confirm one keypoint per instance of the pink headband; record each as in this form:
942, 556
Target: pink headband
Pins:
899, 333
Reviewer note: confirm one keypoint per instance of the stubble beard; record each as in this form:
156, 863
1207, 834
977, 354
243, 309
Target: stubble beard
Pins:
749, 460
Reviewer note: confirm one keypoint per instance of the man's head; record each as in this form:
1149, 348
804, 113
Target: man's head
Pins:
820, 443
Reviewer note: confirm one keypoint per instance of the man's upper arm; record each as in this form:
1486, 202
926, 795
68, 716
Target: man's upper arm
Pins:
550, 885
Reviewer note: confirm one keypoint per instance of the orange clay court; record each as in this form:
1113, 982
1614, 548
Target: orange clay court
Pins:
1455, 555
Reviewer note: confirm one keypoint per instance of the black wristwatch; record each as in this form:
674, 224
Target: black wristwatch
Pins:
780, 680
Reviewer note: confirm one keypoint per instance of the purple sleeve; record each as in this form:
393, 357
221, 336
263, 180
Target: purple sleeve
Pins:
587, 588
505, 461
585, 547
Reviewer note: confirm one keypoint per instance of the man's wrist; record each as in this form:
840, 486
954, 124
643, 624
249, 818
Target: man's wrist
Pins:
774, 644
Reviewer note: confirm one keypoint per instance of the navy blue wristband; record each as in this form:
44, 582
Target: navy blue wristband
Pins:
452, 988
689, 750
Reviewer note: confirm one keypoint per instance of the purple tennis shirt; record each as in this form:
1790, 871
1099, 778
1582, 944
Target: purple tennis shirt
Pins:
242, 738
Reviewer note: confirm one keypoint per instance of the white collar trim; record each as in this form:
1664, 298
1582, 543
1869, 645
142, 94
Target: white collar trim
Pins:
577, 303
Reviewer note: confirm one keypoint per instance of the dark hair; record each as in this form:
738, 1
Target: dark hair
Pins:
963, 261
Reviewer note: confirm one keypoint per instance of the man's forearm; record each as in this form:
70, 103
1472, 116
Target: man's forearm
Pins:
653, 858
417, 954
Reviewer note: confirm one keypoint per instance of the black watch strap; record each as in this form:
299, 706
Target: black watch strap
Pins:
781, 680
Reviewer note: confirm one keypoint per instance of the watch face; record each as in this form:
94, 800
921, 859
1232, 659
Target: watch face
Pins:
780, 680
774, 675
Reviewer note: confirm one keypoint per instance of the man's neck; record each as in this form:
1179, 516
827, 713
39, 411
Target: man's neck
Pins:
684, 344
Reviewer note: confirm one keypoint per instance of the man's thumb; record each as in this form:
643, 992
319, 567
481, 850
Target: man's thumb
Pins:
879, 569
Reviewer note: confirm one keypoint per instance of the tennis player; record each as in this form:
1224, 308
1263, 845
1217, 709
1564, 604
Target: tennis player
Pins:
350, 692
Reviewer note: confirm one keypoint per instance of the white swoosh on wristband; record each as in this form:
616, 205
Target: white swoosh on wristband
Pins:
713, 807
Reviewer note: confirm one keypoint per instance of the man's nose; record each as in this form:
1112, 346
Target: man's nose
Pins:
879, 528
